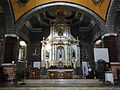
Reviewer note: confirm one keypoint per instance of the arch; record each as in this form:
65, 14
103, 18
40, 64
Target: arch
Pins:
39, 9
9, 21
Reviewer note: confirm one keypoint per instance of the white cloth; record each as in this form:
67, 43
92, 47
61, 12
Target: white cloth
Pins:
109, 77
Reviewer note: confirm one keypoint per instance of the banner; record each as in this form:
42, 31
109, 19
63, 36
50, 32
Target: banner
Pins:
101, 53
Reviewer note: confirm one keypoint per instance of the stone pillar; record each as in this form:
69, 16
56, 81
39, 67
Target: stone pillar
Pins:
10, 49
1, 50
110, 42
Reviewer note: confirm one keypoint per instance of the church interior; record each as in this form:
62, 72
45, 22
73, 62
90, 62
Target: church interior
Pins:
60, 39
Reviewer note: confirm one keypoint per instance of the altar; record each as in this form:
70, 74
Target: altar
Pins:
60, 47
60, 52
60, 73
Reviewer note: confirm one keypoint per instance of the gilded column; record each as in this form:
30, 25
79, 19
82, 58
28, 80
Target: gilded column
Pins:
53, 56
65, 55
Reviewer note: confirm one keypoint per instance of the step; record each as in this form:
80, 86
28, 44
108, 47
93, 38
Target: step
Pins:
63, 83
60, 84
61, 88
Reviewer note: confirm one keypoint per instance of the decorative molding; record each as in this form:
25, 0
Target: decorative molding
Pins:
109, 34
8, 64
97, 2
22, 2
11, 35
115, 63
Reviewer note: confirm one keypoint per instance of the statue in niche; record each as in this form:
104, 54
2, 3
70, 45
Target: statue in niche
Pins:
60, 31
60, 64
73, 53
60, 53
47, 54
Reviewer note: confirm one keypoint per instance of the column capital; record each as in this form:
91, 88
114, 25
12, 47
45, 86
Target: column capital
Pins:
12, 35
109, 34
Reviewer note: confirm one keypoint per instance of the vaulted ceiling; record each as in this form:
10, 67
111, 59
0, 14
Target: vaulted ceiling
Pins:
79, 22
76, 19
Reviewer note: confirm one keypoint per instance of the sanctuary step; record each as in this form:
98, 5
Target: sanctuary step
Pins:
61, 84
61, 88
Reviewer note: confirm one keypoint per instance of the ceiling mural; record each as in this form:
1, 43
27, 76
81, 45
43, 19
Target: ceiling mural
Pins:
21, 7
62, 16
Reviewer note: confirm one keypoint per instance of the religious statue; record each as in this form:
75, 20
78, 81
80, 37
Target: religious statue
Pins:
60, 45
60, 53
47, 54
73, 54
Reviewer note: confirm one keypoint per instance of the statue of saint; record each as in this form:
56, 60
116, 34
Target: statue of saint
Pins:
47, 54
73, 54
60, 53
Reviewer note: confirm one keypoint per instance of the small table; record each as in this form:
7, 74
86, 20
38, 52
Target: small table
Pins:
60, 73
